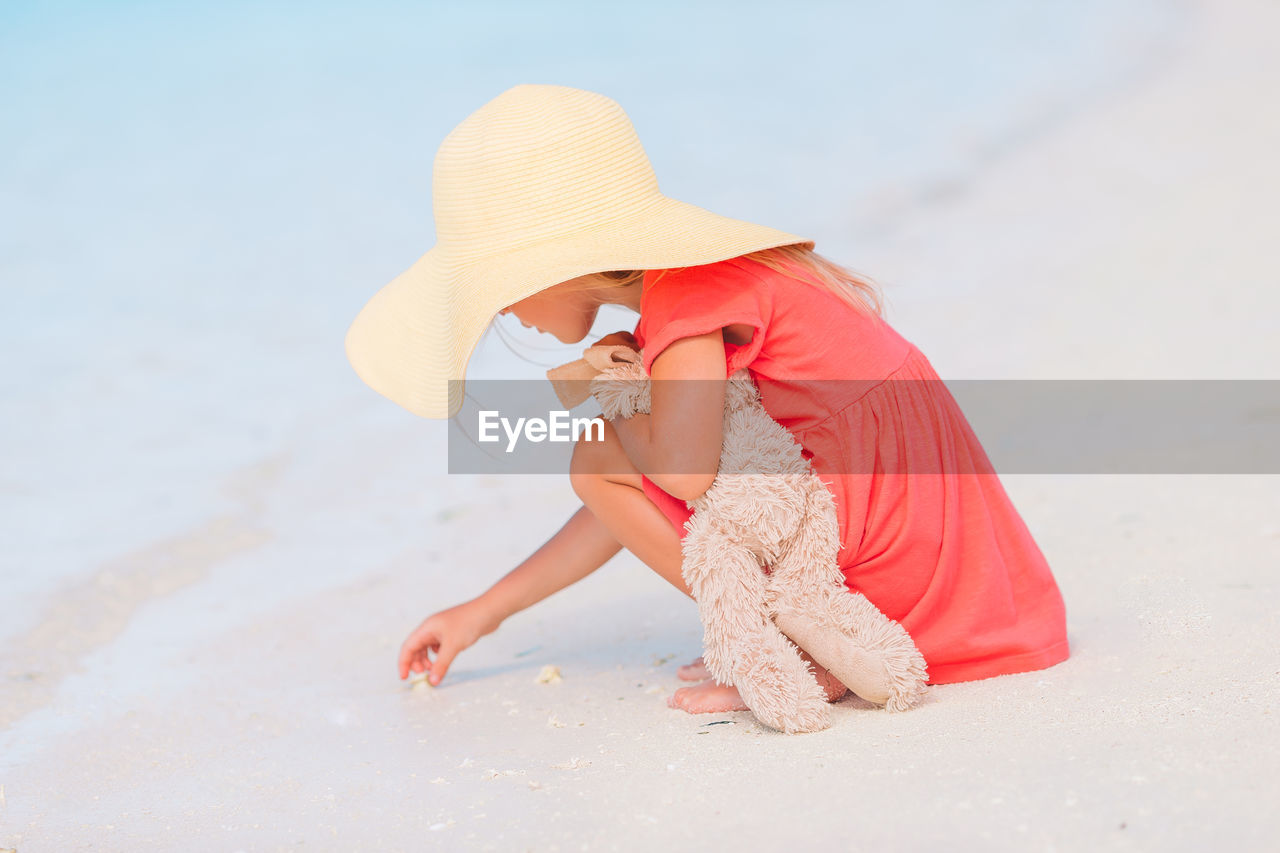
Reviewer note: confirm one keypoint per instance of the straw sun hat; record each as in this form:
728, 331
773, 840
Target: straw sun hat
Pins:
540, 185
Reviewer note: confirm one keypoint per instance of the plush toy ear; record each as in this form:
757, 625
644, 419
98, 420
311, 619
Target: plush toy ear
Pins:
572, 381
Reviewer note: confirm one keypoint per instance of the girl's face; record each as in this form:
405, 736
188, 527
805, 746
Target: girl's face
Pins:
563, 310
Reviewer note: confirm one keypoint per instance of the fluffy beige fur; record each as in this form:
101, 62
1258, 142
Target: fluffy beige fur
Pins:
759, 555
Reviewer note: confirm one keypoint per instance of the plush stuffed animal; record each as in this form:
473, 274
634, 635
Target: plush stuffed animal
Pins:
759, 554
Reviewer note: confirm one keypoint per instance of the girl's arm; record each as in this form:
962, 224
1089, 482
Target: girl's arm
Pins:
580, 547
678, 444
583, 545
682, 434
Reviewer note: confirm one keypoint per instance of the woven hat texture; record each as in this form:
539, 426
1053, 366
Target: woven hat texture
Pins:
540, 185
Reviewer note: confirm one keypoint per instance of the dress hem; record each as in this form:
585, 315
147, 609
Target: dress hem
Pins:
979, 670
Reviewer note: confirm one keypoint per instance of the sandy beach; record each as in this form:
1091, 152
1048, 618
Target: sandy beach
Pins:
227, 680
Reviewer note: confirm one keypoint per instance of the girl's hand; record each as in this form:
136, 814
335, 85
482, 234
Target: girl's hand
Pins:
618, 339
444, 634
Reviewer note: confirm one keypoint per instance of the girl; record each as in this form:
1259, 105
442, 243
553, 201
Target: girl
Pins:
547, 208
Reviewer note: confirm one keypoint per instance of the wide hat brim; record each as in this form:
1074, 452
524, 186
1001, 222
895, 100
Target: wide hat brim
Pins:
418, 332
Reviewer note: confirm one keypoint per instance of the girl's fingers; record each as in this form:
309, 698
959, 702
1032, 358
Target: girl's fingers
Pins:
417, 662
440, 666
413, 654
617, 339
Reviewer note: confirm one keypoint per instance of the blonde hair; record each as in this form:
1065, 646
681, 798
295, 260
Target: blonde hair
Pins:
796, 261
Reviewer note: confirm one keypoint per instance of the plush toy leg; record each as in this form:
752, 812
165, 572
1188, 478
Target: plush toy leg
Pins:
872, 654
742, 646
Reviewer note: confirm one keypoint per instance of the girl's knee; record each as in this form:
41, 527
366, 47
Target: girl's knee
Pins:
599, 461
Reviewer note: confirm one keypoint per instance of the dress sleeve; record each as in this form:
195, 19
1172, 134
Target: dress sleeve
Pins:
696, 300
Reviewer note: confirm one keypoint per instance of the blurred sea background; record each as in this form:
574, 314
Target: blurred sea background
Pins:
198, 198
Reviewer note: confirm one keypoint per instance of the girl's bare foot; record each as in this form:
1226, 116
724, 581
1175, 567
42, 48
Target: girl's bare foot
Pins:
832, 686
696, 671
707, 698
710, 697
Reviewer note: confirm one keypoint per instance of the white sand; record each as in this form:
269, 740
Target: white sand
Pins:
1138, 240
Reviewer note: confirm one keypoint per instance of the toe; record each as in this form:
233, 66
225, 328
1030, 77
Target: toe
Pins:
695, 671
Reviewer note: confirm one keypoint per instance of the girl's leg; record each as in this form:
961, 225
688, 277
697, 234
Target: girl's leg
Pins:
610, 486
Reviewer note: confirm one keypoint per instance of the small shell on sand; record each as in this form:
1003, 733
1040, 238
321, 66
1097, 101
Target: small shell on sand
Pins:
498, 774
549, 675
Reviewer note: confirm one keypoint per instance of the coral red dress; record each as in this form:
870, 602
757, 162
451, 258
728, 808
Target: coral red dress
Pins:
928, 533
